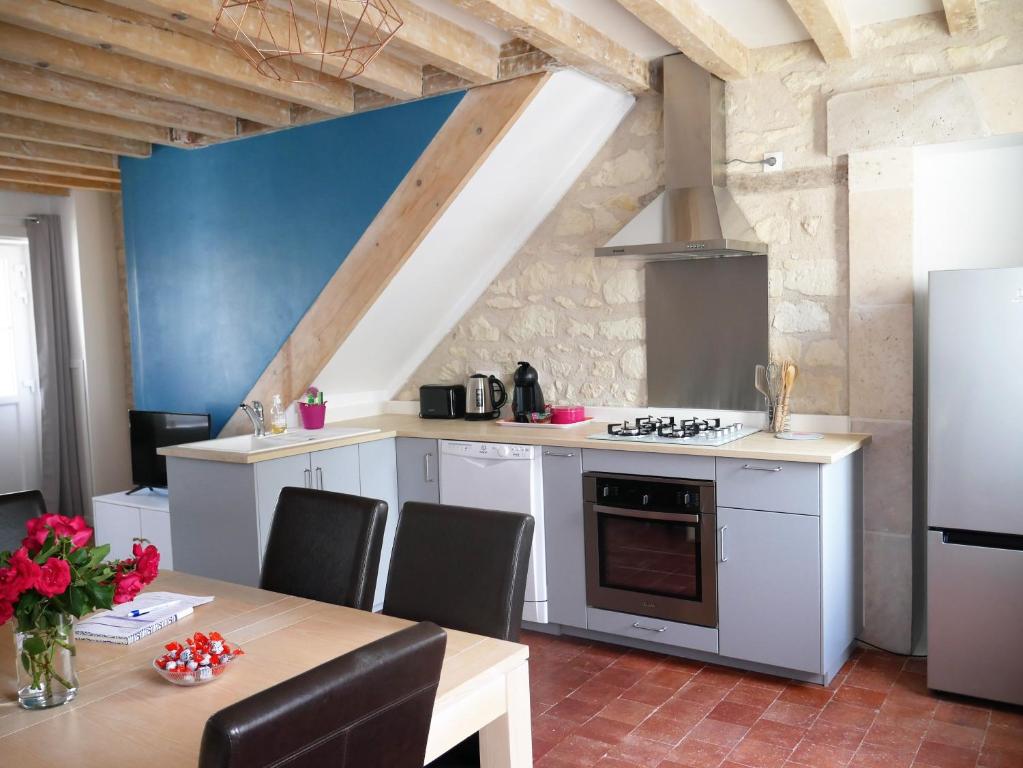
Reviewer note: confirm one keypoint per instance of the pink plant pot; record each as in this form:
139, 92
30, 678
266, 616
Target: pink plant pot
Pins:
312, 415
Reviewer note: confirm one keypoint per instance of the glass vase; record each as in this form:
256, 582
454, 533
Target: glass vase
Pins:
47, 670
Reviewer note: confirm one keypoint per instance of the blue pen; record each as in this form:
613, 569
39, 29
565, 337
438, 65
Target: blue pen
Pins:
144, 611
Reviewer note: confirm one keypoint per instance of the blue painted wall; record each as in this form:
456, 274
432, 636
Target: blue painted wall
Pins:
228, 246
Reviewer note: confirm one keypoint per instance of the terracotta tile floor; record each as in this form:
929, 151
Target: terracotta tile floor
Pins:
610, 707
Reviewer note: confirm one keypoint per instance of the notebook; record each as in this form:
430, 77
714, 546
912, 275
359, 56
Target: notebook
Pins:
157, 609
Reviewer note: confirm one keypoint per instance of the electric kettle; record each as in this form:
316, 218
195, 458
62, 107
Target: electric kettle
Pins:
484, 396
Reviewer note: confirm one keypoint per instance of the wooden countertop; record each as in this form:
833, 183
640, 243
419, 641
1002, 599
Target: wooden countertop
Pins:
761, 446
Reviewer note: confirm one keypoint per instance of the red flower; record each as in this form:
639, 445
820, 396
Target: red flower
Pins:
126, 586
20, 574
54, 577
74, 528
147, 562
6, 611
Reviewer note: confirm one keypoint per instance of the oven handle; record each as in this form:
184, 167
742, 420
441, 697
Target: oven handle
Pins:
646, 515
637, 625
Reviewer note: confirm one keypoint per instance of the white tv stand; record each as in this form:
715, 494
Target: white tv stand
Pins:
119, 518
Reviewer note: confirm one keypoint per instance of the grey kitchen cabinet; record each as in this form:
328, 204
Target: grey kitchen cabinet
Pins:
418, 470
378, 480
775, 486
563, 527
769, 588
336, 469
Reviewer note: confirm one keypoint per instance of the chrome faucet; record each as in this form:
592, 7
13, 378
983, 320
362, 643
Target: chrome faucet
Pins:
255, 414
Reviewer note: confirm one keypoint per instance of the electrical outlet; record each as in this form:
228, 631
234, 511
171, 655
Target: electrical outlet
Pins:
778, 158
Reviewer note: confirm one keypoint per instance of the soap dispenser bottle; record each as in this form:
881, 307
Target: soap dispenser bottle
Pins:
278, 418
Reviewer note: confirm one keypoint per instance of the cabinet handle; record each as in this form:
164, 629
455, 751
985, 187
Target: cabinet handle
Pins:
319, 478
308, 477
721, 543
637, 625
426, 467
567, 455
761, 469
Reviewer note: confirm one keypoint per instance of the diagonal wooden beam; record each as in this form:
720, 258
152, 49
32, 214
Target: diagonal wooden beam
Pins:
566, 37
95, 23
62, 182
684, 24
40, 84
34, 130
58, 114
461, 146
34, 189
26, 46
58, 169
828, 25
388, 74
53, 153
963, 16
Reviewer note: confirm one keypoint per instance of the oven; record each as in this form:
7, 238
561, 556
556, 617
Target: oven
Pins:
650, 546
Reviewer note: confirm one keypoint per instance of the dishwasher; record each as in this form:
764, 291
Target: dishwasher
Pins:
506, 478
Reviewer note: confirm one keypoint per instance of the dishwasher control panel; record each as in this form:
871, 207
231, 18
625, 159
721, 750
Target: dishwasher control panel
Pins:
487, 450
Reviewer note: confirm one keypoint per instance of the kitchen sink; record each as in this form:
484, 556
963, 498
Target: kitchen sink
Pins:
252, 444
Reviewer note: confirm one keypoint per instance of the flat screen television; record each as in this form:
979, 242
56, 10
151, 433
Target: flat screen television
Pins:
155, 429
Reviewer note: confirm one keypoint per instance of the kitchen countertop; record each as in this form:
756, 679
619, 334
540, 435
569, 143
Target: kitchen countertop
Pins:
761, 446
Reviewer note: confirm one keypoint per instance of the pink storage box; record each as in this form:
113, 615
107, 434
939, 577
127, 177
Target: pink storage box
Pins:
567, 414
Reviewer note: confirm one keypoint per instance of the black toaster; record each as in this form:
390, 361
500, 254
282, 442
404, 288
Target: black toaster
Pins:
442, 401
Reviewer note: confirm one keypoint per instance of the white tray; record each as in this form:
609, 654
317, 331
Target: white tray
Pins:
504, 423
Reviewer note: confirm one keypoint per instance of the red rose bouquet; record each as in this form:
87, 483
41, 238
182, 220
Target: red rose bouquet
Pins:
53, 578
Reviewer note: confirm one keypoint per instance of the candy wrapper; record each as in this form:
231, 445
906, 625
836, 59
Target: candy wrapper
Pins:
199, 659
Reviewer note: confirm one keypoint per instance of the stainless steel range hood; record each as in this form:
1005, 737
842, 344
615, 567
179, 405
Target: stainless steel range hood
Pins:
695, 215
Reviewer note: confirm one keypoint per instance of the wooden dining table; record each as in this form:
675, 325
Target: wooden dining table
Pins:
126, 714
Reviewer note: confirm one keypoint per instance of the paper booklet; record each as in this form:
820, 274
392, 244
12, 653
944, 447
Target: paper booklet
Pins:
143, 616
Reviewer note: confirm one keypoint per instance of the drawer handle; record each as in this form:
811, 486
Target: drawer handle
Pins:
319, 478
427, 474
721, 543
637, 625
308, 477
761, 469
567, 455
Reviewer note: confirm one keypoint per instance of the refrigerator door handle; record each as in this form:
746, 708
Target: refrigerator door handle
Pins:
982, 539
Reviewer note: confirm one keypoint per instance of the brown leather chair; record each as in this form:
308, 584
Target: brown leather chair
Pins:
462, 568
16, 509
325, 546
370, 708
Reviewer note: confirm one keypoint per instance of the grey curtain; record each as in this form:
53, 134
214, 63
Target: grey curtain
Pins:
62, 473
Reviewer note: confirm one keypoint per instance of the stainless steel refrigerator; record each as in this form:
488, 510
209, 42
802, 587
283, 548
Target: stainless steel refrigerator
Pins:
975, 483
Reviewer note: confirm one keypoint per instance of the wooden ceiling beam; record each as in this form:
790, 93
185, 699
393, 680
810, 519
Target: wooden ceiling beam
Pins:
689, 28
57, 169
54, 153
963, 16
58, 114
26, 46
34, 130
91, 22
61, 182
828, 25
566, 37
49, 86
388, 74
34, 189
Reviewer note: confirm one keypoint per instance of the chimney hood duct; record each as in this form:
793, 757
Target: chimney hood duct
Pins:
697, 215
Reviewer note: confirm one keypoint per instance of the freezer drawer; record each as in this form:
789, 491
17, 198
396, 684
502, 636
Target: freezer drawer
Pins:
975, 619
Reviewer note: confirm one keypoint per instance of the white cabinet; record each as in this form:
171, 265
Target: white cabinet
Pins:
119, 519
769, 588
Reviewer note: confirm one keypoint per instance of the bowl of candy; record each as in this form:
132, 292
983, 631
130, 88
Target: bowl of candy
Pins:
200, 659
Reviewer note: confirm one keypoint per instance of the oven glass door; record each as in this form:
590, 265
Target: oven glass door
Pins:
649, 556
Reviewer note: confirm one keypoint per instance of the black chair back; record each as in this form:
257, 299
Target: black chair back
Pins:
460, 567
370, 708
16, 509
325, 546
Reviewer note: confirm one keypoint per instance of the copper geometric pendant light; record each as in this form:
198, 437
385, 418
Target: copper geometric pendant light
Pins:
293, 40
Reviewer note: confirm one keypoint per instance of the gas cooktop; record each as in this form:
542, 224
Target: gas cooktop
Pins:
671, 431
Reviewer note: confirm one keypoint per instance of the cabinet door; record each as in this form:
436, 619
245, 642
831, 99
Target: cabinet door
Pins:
378, 480
336, 469
563, 528
769, 588
418, 470
116, 525
271, 476
155, 526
